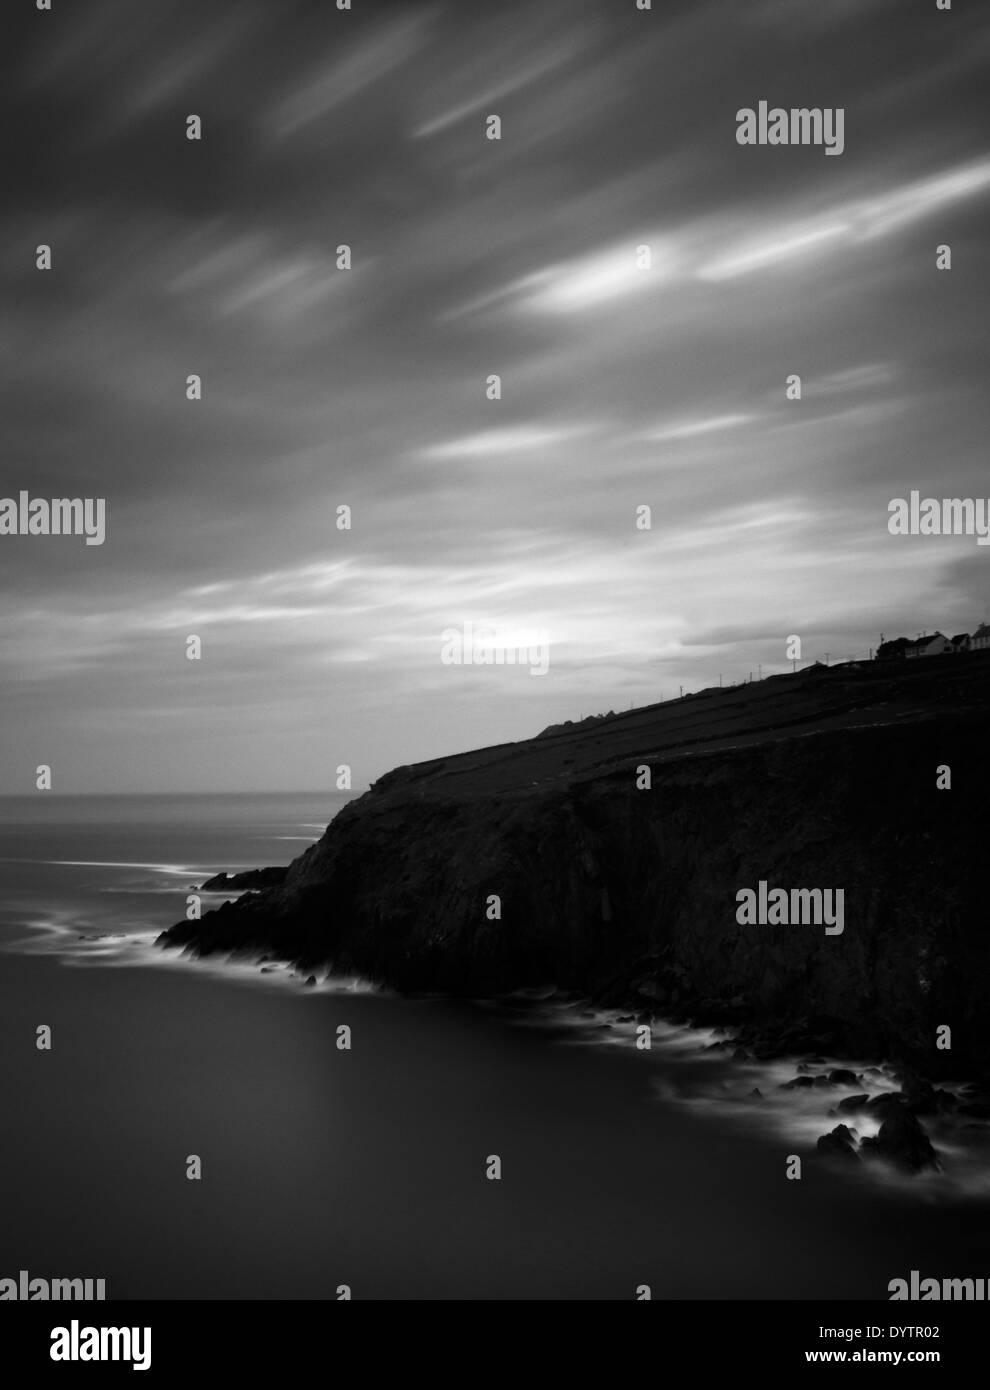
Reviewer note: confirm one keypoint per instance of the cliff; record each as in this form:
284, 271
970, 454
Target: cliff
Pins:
825, 779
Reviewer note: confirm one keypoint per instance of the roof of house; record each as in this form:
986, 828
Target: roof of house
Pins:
982, 631
960, 637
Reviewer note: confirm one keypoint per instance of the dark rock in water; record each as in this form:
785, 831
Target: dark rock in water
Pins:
309, 980
923, 1098
742, 1054
798, 1083
852, 1103
248, 880
841, 1076
757, 1093
839, 1143
886, 1103
903, 1143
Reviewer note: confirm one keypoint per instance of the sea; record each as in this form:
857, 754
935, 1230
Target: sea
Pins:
198, 1130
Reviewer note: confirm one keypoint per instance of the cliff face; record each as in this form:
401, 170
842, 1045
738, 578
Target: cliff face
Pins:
827, 781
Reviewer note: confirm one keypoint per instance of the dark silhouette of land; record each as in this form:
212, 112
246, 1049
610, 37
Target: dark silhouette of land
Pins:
826, 778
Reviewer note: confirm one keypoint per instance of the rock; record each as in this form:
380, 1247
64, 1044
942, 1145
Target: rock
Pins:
309, 981
799, 1082
757, 1093
839, 1143
741, 1054
841, 1076
248, 880
852, 1103
903, 1143
932, 1101
886, 1103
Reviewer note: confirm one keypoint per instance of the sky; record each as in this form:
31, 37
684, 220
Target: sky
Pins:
622, 386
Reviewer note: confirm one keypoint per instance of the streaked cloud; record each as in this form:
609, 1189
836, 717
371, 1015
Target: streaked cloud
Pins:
691, 429
622, 387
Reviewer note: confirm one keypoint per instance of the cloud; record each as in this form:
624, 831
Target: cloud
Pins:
622, 386
333, 84
512, 439
691, 429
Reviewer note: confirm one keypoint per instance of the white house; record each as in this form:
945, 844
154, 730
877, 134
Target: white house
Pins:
980, 639
934, 645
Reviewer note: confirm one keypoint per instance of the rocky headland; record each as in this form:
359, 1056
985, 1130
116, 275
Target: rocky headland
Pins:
626, 894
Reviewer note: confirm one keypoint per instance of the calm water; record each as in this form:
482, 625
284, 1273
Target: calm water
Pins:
323, 1167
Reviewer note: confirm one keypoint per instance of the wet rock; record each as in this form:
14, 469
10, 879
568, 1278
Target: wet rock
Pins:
852, 1103
839, 1143
798, 1083
309, 981
886, 1103
841, 1076
932, 1101
903, 1143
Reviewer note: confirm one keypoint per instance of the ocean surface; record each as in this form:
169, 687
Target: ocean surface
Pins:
324, 1167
